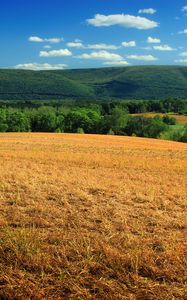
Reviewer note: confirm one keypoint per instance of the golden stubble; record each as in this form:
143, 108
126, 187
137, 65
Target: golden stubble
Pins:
92, 217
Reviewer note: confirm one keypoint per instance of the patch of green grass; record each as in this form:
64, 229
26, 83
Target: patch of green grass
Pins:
174, 133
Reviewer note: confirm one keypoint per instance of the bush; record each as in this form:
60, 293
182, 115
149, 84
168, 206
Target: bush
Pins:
145, 127
173, 133
17, 121
184, 136
169, 120
111, 132
58, 130
80, 130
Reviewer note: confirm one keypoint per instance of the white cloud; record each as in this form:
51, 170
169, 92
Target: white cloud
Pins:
60, 52
149, 11
103, 55
102, 46
75, 44
146, 48
129, 44
128, 21
54, 40
47, 47
79, 44
142, 57
181, 60
116, 63
184, 8
37, 39
38, 67
183, 54
151, 40
163, 48
183, 31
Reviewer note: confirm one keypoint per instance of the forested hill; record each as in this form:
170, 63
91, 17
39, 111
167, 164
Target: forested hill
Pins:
142, 82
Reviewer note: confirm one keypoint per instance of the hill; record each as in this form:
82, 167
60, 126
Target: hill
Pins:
138, 82
92, 217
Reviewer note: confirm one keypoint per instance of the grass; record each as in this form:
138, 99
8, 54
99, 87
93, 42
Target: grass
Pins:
174, 133
92, 217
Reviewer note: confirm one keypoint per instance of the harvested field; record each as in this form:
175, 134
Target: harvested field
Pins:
92, 217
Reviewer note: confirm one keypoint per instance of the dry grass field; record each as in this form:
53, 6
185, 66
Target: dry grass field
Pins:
180, 118
92, 217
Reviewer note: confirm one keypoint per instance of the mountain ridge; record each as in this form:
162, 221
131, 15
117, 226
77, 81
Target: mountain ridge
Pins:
134, 82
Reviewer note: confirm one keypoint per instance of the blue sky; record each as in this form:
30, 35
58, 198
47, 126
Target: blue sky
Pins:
58, 34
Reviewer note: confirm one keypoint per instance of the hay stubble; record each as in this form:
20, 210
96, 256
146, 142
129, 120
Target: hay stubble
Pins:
92, 217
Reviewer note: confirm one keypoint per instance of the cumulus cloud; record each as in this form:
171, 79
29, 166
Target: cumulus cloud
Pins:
75, 44
60, 52
163, 48
184, 8
128, 21
146, 48
143, 57
116, 63
129, 44
37, 39
54, 40
183, 54
149, 11
103, 55
38, 67
102, 46
79, 44
184, 60
183, 31
151, 40
47, 47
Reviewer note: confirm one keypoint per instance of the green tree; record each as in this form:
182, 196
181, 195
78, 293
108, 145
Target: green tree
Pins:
88, 120
3, 121
116, 121
169, 120
145, 127
60, 122
155, 127
44, 120
17, 121
184, 136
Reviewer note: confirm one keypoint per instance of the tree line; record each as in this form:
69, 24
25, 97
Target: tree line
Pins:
91, 119
174, 105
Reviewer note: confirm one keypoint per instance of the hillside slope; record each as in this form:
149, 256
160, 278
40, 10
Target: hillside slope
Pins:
143, 82
92, 217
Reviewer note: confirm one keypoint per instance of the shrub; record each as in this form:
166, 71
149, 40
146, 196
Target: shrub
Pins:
80, 130
169, 120
111, 132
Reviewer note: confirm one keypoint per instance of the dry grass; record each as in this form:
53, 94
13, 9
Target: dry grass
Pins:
92, 217
180, 118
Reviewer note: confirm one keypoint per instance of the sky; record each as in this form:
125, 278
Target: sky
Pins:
69, 34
